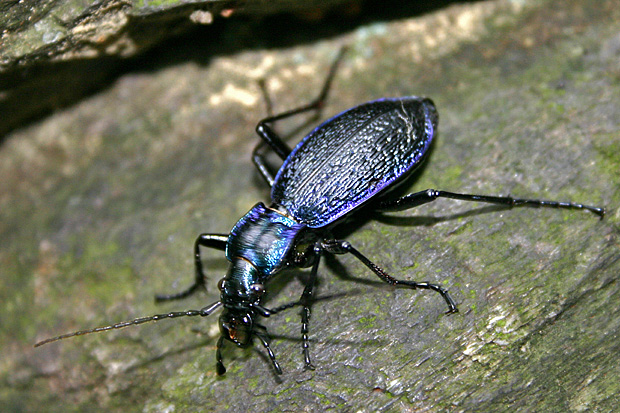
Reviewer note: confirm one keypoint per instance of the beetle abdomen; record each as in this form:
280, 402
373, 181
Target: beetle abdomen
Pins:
352, 157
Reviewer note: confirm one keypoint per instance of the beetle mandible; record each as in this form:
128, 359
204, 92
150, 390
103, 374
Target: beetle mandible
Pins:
353, 160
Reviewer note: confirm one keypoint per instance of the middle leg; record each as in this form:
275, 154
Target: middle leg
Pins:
306, 302
343, 247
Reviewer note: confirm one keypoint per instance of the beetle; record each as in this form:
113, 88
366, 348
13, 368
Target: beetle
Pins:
350, 162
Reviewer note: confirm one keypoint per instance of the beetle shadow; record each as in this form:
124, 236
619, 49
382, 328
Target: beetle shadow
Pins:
359, 219
429, 220
360, 343
256, 348
378, 342
341, 271
170, 353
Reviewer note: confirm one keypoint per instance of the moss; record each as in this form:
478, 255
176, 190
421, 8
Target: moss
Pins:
535, 287
156, 3
367, 322
608, 149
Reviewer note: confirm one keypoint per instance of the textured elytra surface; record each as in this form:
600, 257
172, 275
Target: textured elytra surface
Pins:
352, 157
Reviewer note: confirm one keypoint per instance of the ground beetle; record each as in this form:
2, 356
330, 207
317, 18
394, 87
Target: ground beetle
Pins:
350, 161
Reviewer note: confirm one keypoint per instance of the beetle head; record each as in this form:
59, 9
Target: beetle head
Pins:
237, 327
240, 294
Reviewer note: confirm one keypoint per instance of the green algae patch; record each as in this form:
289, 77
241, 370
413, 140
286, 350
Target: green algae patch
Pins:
608, 148
87, 283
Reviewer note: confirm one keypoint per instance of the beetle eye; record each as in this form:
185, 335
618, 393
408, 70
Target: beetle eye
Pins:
258, 288
220, 284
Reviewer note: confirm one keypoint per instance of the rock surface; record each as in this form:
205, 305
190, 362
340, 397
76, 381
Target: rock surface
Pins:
100, 203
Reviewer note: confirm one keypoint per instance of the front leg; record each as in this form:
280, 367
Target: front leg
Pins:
217, 241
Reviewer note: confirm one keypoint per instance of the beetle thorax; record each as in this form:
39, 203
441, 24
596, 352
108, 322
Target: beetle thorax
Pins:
263, 237
242, 287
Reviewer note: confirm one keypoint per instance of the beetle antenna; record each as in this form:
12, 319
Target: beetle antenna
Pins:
203, 312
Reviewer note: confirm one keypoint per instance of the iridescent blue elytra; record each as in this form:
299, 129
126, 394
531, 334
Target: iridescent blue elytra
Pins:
350, 161
352, 157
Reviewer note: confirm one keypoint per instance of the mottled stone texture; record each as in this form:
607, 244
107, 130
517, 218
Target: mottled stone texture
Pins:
100, 203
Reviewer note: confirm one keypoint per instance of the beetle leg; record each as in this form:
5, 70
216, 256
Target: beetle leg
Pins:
306, 302
271, 138
424, 197
217, 241
221, 370
343, 247
264, 340
261, 165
